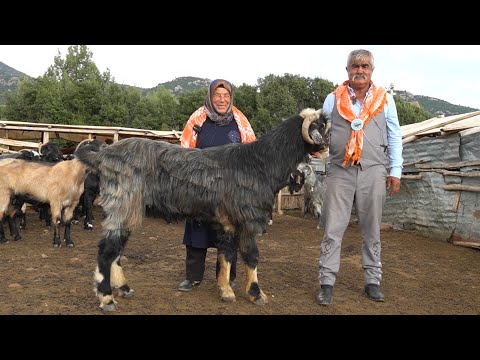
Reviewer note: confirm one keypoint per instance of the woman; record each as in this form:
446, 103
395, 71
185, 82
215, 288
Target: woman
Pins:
216, 123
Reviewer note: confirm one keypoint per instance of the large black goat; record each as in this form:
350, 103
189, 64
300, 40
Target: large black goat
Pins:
233, 186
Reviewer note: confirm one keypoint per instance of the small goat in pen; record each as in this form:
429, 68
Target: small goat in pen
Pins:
233, 186
62, 186
314, 192
15, 206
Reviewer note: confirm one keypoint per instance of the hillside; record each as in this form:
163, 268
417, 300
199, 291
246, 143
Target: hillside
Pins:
9, 78
178, 86
184, 84
434, 105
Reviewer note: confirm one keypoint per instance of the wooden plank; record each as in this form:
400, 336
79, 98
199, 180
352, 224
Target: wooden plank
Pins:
471, 244
436, 124
448, 165
463, 124
458, 173
19, 125
17, 143
458, 187
421, 161
7, 151
411, 177
409, 139
471, 131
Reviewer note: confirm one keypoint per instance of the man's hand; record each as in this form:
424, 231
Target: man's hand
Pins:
393, 183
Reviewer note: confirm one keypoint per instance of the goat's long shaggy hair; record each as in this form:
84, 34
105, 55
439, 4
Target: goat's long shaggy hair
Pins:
234, 184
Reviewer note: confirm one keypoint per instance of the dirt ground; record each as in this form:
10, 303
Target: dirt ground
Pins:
421, 276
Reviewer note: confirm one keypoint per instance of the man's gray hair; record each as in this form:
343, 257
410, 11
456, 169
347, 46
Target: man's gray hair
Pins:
360, 55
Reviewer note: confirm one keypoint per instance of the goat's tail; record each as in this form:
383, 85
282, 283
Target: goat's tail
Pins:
121, 183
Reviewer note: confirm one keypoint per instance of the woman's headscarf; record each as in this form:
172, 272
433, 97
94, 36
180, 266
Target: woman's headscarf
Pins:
212, 113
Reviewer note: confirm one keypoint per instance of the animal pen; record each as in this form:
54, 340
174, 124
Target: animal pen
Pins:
440, 192
16, 135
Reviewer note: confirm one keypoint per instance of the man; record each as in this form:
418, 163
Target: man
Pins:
365, 143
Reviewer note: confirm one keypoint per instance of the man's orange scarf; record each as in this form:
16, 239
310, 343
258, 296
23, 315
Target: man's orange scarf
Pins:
189, 136
374, 103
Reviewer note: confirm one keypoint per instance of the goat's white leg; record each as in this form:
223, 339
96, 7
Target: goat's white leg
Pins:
249, 252
223, 279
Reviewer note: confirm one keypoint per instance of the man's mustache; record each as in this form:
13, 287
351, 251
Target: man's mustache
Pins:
363, 76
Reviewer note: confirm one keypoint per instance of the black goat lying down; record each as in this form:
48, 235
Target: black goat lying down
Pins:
232, 186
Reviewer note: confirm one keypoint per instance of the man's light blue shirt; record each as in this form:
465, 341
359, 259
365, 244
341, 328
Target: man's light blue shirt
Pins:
394, 134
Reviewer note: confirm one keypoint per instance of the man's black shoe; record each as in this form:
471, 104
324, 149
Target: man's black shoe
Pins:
325, 295
373, 292
187, 285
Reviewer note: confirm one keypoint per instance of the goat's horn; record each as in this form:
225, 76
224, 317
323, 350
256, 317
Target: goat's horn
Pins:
328, 127
310, 116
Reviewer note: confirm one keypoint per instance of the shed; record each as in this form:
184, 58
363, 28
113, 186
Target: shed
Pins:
439, 195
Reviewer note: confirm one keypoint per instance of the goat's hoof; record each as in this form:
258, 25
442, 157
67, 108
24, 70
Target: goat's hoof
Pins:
126, 294
75, 222
109, 307
3, 241
18, 237
227, 294
260, 302
229, 299
70, 244
262, 299
57, 245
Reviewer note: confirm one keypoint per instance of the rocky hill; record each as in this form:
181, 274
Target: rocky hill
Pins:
178, 86
9, 78
433, 105
185, 84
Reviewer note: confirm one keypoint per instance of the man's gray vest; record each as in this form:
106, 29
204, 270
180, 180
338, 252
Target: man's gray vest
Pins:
375, 141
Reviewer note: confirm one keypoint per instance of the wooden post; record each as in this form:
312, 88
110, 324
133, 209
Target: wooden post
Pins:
45, 137
279, 203
456, 201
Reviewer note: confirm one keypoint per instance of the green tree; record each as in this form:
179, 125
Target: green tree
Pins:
82, 84
188, 103
245, 99
319, 89
20, 106
159, 111
409, 113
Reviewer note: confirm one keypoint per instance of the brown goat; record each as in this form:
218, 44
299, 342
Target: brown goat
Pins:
60, 185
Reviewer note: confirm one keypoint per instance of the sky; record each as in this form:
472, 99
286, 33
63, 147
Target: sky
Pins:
446, 72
